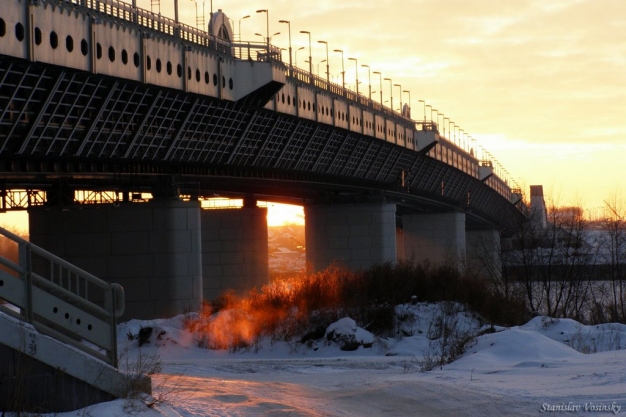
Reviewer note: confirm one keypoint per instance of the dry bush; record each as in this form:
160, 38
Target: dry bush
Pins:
296, 308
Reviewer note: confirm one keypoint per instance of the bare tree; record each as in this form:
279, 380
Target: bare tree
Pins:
614, 245
554, 261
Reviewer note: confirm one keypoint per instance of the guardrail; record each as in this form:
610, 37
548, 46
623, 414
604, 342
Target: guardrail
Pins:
60, 299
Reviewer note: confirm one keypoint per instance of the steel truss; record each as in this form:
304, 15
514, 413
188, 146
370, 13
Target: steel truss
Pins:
60, 123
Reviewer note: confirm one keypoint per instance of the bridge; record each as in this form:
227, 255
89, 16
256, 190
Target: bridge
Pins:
115, 123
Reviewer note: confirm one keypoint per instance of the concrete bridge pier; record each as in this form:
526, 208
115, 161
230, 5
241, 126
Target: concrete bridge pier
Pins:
152, 249
234, 250
438, 238
484, 249
355, 235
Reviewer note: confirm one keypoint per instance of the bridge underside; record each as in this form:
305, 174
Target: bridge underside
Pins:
62, 130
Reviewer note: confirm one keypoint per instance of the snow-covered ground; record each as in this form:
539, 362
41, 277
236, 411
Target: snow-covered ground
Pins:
520, 371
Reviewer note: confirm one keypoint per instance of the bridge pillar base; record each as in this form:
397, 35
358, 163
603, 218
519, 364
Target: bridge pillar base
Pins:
234, 250
151, 249
437, 238
484, 249
356, 236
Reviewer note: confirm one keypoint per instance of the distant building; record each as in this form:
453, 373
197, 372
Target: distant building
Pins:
538, 212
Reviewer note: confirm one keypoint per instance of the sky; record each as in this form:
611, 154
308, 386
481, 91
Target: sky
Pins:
540, 84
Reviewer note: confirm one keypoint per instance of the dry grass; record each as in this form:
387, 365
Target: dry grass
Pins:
300, 307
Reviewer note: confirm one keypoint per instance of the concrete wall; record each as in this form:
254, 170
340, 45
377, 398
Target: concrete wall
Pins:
235, 253
35, 374
483, 252
436, 238
152, 249
356, 236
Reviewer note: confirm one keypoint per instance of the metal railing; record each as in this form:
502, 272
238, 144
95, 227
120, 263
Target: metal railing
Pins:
59, 299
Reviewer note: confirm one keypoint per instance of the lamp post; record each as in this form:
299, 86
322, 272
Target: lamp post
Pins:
289, 28
444, 125
318, 66
356, 67
421, 101
409, 104
310, 60
436, 118
296, 55
268, 39
454, 130
245, 17
369, 79
343, 70
390, 92
431, 112
380, 81
267, 27
400, 89
327, 62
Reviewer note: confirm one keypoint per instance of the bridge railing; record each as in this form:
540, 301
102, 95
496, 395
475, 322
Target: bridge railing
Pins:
155, 21
59, 299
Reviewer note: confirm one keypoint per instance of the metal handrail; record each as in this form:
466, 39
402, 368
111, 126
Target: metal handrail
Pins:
61, 300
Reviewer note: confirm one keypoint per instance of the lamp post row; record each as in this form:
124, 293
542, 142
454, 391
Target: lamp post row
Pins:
457, 135
325, 43
453, 135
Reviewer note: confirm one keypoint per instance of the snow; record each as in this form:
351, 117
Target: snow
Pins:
522, 371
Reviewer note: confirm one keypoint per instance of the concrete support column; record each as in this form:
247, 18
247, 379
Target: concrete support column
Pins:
357, 236
234, 250
437, 238
152, 249
484, 252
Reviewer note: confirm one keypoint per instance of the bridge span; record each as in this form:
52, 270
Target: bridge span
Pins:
102, 104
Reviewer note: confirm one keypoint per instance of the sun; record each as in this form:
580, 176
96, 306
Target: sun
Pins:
281, 214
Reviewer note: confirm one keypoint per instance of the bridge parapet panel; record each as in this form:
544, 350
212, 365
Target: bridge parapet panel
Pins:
15, 40
250, 76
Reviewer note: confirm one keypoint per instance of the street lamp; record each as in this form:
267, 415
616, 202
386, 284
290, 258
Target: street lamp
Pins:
390, 91
356, 67
380, 81
409, 103
369, 78
454, 130
289, 28
327, 62
318, 66
310, 60
245, 17
267, 27
444, 127
296, 55
343, 70
400, 89
268, 39
421, 101
437, 117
